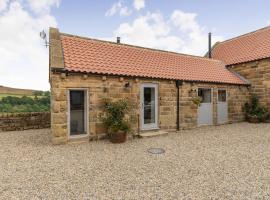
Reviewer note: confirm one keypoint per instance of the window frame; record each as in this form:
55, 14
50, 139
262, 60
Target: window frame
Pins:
86, 113
222, 89
211, 92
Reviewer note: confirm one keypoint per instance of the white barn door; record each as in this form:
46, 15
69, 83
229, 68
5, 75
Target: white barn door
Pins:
205, 110
222, 107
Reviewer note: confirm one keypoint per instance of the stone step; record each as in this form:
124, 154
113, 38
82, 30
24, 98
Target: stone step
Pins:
148, 134
79, 140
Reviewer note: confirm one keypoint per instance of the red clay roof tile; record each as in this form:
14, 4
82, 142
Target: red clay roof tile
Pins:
101, 57
245, 48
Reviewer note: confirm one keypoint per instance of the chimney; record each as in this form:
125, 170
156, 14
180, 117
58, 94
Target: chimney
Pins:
210, 45
118, 40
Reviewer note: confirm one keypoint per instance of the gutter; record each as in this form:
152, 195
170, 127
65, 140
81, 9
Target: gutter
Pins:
63, 70
177, 84
241, 77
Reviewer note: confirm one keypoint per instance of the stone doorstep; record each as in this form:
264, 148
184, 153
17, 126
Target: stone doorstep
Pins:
148, 134
78, 140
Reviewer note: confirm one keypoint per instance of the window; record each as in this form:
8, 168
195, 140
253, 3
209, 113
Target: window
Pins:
222, 97
205, 94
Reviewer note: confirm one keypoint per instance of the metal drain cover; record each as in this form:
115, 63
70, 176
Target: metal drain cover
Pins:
156, 150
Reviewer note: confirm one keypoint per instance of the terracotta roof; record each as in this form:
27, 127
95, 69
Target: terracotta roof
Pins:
101, 57
245, 48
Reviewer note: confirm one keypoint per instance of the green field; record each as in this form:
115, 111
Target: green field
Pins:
16, 95
15, 103
12, 95
16, 100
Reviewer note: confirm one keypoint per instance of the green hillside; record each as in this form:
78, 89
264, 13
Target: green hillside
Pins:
23, 100
16, 91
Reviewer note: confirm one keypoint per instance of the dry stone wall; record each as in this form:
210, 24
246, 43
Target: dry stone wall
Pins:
24, 121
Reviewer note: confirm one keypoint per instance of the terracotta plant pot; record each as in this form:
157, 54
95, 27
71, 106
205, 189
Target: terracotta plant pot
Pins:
267, 121
119, 137
252, 119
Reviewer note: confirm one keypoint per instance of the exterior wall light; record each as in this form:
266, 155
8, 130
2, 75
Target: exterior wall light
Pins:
128, 85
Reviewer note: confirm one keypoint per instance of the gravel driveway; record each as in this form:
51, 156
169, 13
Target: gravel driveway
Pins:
224, 162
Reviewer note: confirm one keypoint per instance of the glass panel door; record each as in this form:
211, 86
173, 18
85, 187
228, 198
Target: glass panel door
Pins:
149, 106
77, 112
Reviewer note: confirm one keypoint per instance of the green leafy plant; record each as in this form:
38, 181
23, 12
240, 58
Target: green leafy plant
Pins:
197, 101
254, 111
114, 119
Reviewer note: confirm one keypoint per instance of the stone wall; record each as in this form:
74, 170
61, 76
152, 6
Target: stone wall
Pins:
237, 96
24, 121
100, 87
258, 73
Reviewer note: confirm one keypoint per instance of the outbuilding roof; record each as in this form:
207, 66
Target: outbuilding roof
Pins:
109, 58
249, 47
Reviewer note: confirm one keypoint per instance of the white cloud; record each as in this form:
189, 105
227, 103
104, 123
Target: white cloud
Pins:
181, 33
196, 36
43, 6
149, 31
24, 59
118, 7
185, 21
268, 23
3, 4
139, 4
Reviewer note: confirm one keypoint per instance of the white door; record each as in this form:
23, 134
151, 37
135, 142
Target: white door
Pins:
149, 108
205, 110
222, 107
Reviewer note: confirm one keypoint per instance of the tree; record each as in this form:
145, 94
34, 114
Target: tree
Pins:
25, 104
47, 93
37, 93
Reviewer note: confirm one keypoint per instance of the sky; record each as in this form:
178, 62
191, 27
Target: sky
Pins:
174, 25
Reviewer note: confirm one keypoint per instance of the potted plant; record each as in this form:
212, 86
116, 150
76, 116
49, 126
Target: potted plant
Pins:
116, 123
254, 112
197, 101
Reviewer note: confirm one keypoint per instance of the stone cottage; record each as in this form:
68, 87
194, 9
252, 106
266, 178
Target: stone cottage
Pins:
160, 86
249, 56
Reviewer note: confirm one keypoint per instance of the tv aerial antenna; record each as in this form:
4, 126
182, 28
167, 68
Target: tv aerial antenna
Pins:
43, 36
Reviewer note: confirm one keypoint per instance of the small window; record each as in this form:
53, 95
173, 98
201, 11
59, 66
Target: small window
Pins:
222, 97
205, 94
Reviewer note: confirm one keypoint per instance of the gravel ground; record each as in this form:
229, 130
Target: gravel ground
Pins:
224, 162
